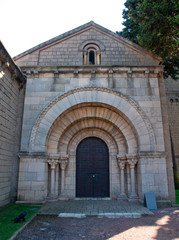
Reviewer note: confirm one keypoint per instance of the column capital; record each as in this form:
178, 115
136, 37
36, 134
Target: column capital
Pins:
52, 163
121, 160
63, 161
132, 161
53, 160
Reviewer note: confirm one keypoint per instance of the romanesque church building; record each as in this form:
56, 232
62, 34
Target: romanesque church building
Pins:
94, 121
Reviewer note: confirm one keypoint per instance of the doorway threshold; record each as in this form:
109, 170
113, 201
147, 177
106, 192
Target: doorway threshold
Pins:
91, 198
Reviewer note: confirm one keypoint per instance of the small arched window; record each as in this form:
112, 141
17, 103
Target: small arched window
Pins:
91, 58
91, 54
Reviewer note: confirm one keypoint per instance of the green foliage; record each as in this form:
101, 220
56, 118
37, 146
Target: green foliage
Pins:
177, 196
7, 216
154, 26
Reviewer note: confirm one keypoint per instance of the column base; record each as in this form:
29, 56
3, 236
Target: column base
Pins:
63, 196
122, 196
133, 197
51, 196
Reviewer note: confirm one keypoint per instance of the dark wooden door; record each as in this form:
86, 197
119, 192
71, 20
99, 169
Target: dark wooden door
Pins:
92, 168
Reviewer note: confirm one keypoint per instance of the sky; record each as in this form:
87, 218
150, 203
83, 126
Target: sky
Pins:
27, 23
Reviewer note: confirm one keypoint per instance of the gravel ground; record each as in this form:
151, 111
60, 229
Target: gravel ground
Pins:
163, 225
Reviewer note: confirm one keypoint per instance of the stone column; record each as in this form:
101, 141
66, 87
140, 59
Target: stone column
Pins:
98, 57
132, 160
52, 162
85, 57
121, 160
63, 164
57, 179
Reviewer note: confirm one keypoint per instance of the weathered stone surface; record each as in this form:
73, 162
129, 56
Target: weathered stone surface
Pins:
117, 98
11, 110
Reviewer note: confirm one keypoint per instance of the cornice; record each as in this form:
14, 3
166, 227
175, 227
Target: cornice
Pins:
57, 70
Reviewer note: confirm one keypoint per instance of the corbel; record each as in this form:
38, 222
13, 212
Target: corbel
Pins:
56, 74
36, 73
129, 73
147, 72
75, 73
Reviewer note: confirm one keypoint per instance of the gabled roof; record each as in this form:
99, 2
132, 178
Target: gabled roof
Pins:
83, 28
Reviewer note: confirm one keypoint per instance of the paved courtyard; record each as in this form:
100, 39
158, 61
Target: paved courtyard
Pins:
82, 208
162, 225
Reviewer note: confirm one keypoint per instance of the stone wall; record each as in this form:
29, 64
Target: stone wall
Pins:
68, 49
11, 109
44, 87
172, 92
120, 100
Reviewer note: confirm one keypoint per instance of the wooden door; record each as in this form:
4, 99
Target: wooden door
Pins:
92, 168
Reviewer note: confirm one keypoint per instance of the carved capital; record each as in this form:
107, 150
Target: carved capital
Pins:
53, 160
52, 163
121, 160
132, 160
63, 161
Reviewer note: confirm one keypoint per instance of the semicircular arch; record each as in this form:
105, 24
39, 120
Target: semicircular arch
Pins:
122, 104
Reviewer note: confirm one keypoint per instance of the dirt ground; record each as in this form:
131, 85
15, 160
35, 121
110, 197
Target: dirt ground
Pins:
163, 225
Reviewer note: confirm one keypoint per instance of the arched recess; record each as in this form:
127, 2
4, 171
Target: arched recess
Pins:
72, 145
119, 103
86, 133
86, 117
99, 44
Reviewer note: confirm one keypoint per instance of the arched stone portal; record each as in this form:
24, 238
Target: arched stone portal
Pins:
119, 103
93, 113
98, 120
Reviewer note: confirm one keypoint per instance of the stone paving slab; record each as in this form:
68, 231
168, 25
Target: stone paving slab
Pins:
100, 208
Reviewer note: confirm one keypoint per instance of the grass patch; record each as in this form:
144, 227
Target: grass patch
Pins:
7, 215
177, 196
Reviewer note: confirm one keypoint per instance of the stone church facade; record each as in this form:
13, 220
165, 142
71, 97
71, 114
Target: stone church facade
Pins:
95, 123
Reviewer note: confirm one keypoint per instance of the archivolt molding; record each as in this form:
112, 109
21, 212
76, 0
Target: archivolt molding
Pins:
100, 118
92, 41
74, 97
79, 136
64, 142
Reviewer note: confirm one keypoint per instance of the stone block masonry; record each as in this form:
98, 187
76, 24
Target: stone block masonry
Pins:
11, 109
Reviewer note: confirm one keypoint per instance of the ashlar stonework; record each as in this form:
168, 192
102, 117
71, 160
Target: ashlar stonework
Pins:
92, 83
12, 90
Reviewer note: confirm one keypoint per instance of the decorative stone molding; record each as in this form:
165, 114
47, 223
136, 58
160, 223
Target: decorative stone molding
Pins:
132, 163
52, 163
56, 74
129, 73
147, 72
121, 160
102, 69
131, 102
79, 136
94, 42
36, 73
63, 161
152, 155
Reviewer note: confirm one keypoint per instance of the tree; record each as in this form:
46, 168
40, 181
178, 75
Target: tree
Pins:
154, 26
